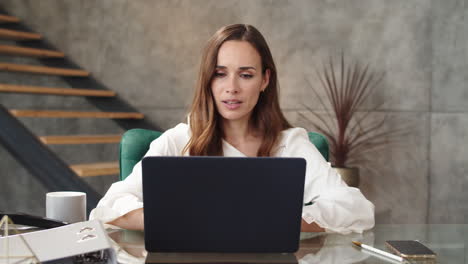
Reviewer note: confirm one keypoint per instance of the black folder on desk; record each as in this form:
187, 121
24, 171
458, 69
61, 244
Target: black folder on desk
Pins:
32, 220
222, 204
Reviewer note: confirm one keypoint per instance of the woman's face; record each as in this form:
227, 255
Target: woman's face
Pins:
238, 80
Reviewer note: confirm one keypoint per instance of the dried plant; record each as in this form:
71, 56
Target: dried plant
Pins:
350, 135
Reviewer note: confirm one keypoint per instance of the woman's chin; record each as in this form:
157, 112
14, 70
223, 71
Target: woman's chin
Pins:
233, 117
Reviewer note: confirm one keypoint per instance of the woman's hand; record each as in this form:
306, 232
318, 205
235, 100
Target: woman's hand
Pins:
133, 220
313, 227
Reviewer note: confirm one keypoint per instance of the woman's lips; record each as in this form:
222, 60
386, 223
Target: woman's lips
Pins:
232, 104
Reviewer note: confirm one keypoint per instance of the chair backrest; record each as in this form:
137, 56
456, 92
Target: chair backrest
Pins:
133, 146
135, 143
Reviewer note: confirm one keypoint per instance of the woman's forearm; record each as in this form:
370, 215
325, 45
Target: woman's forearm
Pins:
133, 220
312, 227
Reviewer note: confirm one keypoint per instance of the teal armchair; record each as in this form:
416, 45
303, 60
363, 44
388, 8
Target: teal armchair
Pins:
135, 143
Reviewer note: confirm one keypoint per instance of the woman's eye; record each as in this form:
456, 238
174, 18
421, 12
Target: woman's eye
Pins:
219, 74
246, 76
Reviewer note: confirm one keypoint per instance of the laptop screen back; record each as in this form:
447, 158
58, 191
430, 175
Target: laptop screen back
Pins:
222, 204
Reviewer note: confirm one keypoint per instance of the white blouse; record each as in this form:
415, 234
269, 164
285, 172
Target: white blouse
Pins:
336, 207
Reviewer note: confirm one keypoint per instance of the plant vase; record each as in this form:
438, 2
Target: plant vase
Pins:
349, 175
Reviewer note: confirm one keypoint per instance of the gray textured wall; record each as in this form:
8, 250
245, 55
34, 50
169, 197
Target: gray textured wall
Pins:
148, 51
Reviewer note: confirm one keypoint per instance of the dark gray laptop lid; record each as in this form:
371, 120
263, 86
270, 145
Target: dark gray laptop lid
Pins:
222, 204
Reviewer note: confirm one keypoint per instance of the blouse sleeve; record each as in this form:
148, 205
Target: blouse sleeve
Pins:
127, 195
336, 206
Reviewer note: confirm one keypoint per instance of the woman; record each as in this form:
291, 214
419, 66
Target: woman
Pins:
235, 112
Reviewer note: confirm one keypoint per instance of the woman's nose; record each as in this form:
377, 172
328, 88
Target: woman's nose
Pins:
232, 86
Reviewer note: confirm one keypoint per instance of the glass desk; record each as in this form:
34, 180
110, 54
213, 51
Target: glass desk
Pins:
448, 241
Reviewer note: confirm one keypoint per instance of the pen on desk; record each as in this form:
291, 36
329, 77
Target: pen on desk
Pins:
378, 251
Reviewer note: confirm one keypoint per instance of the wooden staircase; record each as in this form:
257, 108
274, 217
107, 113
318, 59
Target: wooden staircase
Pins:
83, 170
74, 114
11, 88
80, 139
7, 34
30, 52
8, 19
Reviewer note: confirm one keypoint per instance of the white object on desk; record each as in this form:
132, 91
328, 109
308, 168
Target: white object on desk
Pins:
61, 242
68, 207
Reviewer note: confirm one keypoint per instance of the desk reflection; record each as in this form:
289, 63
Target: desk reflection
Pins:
332, 248
129, 245
314, 248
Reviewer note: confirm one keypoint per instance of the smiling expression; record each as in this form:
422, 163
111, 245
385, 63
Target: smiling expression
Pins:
238, 80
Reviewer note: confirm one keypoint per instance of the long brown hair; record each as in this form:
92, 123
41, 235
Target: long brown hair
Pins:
205, 121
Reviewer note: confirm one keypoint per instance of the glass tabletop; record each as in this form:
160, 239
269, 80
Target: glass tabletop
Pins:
447, 241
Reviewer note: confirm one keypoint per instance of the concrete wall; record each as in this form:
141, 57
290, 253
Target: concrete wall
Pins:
148, 51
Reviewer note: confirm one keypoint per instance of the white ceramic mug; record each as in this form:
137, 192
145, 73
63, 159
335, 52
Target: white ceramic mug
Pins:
66, 206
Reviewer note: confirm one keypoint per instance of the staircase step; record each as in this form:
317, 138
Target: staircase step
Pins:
96, 169
18, 35
20, 51
11, 88
8, 19
76, 114
42, 70
80, 139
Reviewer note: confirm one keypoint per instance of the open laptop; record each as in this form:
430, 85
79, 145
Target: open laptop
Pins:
222, 204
